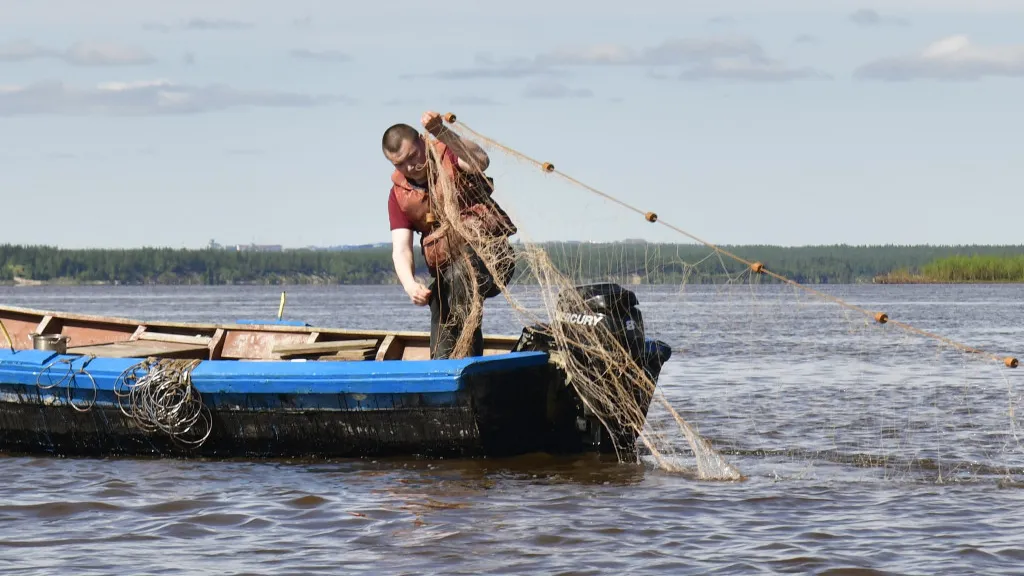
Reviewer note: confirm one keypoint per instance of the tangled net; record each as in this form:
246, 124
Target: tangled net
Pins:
736, 318
612, 385
70, 380
160, 396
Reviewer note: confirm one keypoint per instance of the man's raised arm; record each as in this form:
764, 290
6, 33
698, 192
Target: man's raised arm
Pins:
472, 158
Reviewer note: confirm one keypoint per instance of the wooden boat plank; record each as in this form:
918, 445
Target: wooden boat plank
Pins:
82, 334
257, 344
179, 338
34, 316
390, 348
358, 354
140, 349
216, 344
19, 328
45, 324
323, 347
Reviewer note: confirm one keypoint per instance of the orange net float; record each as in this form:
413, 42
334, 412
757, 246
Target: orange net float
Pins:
449, 117
547, 167
651, 217
881, 317
1010, 362
757, 268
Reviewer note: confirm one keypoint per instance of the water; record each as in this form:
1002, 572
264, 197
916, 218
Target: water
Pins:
865, 452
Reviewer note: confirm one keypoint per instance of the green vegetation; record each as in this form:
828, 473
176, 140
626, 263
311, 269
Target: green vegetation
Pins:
622, 261
963, 269
206, 266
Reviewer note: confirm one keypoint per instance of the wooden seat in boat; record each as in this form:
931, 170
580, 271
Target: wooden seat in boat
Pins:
113, 337
143, 349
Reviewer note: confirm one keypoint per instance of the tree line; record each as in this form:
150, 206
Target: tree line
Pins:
626, 262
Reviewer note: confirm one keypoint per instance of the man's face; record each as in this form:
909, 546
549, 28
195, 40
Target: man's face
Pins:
411, 159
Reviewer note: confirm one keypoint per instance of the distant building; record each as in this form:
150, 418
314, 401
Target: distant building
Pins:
259, 248
214, 245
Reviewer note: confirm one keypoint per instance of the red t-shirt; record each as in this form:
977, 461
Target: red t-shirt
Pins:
395, 215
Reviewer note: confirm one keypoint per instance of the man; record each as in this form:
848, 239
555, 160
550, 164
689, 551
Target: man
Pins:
413, 207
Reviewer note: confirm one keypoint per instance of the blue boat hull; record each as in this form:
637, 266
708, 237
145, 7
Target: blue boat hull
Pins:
497, 405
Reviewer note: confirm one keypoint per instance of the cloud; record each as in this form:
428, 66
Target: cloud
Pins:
721, 20
146, 98
474, 101
97, 54
732, 57
332, 56
188, 58
951, 58
866, 17
806, 39
751, 70
487, 67
303, 23
156, 27
676, 52
554, 90
199, 24
403, 102
20, 50
244, 152
216, 24
79, 54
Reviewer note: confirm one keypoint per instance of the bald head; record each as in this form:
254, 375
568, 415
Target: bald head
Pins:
395, 136
404, 148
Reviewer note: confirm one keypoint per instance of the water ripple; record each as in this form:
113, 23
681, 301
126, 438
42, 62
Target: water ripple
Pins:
856, 464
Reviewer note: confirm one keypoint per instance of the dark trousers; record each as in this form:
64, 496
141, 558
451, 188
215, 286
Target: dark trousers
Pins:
452, 293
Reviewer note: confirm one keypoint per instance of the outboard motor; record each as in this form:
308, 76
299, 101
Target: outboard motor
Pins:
605, 306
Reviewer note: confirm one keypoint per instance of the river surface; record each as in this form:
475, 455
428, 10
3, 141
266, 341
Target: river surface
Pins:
865, 450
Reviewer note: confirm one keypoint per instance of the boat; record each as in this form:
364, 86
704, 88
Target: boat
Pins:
86, 385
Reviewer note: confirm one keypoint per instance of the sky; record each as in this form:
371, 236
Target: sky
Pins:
793, 122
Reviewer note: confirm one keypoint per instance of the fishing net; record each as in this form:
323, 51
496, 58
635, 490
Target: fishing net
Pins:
158, 395
775, 374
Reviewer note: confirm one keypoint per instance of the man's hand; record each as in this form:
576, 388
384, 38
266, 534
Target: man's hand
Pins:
418, 293
432, 122
472, 157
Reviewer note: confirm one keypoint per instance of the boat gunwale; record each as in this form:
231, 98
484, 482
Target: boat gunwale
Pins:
273, 376
125, 321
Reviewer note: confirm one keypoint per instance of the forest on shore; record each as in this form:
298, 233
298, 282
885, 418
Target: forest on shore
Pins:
625, 262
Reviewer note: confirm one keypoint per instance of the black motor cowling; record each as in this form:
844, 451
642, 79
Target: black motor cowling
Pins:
607, 310
603, 315
607, 305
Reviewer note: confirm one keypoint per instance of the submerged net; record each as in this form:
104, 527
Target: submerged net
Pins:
778, 375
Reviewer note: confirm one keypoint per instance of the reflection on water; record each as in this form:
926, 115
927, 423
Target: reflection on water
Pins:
862, 448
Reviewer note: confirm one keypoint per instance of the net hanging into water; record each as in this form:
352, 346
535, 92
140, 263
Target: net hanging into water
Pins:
158, 395
766, 367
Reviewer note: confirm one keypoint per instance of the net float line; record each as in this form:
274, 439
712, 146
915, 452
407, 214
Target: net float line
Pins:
755, 267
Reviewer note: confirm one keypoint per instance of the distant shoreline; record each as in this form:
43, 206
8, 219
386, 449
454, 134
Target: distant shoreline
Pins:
881, 280
917, 281
629, 263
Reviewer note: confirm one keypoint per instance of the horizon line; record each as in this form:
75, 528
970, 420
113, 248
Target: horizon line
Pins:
376, 245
